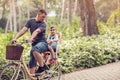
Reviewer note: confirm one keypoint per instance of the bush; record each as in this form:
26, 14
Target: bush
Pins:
87, 52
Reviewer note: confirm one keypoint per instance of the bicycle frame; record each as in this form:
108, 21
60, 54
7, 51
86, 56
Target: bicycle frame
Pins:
21, 64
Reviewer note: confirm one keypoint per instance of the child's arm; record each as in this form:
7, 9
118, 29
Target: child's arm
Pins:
55, 39
48, 39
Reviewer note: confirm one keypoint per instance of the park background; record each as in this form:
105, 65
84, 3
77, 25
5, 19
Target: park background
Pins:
90, 29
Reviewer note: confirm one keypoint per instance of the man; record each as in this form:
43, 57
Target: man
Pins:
37, 28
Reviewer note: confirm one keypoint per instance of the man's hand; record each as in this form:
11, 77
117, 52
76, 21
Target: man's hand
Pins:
30, 40
13, 41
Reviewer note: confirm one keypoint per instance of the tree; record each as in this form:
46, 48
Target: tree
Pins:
88, 17
103, 10
63, 10
118, 4
3, 10
70, 11
45, 7
76, 8
12, 18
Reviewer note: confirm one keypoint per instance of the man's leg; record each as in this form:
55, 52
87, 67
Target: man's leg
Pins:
32, 70
36, 51
39, 58
32, 63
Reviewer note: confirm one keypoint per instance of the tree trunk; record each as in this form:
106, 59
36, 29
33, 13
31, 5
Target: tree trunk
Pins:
8, 20
19, 19
14, 16
45, 4
45, 7
119, 11
76, 8
88, 17
69, 11
63, 9
118, 4
9, 24
11, 15
28, 9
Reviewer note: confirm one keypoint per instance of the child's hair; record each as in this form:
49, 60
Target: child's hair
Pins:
52, 27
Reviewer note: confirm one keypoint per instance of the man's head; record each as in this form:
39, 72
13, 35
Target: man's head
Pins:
41, 14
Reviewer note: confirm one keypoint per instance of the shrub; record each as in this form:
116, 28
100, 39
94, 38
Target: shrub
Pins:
87, 52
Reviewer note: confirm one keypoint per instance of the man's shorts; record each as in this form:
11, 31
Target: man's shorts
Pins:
39, 47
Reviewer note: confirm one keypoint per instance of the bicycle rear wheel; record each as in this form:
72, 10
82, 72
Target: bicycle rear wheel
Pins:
9, 72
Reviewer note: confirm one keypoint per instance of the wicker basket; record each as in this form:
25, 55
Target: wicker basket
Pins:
14, 52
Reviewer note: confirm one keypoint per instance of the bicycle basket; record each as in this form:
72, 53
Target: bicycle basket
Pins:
14, 52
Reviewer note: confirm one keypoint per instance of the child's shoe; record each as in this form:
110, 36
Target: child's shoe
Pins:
53, 61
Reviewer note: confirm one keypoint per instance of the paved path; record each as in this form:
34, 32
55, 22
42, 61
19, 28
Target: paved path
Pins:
107, 72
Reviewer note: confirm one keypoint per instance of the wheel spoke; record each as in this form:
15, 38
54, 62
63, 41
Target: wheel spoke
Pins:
10, 71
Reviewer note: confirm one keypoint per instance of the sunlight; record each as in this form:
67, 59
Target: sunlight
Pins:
19, 3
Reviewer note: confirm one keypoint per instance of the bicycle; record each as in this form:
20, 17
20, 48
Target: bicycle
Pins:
18, 69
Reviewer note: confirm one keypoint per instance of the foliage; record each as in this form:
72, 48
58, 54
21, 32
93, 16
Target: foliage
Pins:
68, 31
114, 19
102, 27
5, 39
103, 10
87, 52
77, 51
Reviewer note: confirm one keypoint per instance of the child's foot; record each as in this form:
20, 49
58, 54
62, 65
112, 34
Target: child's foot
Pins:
53, 61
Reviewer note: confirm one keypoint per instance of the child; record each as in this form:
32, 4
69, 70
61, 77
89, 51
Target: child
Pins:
52, 42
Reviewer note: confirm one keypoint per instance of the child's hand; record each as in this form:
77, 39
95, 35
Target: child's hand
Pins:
50, 42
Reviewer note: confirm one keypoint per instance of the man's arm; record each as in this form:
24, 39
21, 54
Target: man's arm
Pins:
34, 34
22, 31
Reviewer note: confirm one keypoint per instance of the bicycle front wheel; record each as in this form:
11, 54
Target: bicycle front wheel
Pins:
9, 72
55, 72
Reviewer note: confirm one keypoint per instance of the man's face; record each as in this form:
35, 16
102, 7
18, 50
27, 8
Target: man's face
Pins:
40, 16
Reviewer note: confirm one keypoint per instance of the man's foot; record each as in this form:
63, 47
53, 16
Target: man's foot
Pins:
41, 69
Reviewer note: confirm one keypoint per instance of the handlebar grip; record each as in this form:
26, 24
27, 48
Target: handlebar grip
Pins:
13, 41
26, 41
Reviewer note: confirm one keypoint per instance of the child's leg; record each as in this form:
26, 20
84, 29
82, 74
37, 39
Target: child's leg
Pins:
52, 52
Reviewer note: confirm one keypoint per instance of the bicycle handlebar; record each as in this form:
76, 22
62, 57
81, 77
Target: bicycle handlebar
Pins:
14, 42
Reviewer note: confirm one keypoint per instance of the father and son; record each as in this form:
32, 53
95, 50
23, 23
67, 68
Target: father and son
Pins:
40, 44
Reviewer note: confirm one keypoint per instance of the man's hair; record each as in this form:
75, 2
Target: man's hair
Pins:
43, 11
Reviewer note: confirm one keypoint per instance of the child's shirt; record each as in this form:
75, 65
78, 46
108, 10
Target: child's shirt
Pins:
54, 37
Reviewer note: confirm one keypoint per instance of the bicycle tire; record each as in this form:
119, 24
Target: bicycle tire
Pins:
9, 72
56, 75
53, 72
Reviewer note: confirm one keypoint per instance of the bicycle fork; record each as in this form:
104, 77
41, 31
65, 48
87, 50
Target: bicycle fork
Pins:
17, 72
14, 74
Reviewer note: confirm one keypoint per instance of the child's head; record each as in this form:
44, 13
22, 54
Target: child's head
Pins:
52, 30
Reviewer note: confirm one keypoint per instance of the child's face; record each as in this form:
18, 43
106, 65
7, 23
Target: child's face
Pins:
53, 31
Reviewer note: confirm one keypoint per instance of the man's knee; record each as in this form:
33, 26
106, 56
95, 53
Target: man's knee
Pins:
40, 47
34, 52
